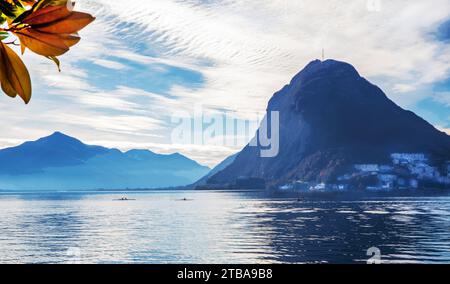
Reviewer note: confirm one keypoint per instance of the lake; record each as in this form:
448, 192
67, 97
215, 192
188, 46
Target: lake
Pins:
221, 227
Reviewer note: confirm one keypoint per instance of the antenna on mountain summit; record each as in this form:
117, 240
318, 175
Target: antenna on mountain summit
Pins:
323, 54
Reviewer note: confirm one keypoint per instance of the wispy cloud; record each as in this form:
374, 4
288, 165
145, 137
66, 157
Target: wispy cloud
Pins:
442, 97
110, 64
256, 46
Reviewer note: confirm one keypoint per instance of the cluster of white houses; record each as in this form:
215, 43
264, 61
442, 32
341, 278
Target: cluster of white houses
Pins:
406, 171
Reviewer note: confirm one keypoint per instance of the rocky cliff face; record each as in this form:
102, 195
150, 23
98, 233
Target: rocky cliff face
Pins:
330, 119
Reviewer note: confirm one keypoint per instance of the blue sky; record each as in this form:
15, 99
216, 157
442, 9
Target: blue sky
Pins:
143, 61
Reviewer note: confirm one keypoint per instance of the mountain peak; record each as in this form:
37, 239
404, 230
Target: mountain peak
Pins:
60, 138
321, 82
328, 68
329, 64
58, 134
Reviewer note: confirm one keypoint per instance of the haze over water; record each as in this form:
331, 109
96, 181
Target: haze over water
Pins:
220, 227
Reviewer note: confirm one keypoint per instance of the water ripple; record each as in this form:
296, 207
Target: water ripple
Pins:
220, 227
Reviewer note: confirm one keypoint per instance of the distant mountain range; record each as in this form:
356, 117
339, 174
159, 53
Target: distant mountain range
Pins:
331, 118
202, 183
61, 162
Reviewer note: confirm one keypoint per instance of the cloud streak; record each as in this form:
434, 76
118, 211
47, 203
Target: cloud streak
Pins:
256, 46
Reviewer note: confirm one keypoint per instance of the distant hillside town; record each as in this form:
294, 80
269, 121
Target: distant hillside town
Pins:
406, 171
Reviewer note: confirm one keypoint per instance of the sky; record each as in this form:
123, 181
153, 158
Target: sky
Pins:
143, 63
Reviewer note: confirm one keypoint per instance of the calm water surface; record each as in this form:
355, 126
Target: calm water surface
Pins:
219, 227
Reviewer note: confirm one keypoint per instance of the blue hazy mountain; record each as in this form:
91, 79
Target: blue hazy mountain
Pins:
220, 167
331, 118
62, 162
57, 150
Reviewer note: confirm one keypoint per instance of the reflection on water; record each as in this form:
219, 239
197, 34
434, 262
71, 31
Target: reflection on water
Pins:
219, 227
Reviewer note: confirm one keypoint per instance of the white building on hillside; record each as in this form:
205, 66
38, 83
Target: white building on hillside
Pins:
408, 158
368, 168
